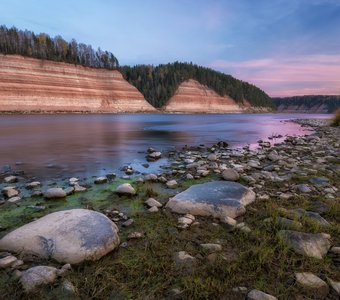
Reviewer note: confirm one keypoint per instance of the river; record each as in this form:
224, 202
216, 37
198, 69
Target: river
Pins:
54, 146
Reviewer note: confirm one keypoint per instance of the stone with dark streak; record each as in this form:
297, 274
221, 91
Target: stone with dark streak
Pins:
69, 236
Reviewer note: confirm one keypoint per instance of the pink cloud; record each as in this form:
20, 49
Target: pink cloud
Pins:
301, 75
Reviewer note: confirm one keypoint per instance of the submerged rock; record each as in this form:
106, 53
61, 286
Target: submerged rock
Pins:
70, 236
218, 199
308, 244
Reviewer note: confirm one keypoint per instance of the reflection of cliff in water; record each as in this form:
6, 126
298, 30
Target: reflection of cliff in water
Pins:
85, 145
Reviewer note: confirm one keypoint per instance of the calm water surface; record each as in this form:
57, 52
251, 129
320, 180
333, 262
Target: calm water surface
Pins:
48, 146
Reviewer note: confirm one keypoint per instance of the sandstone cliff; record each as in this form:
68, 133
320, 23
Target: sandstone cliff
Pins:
28, 84
192, 97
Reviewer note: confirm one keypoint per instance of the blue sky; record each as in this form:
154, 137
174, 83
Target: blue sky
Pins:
287, 47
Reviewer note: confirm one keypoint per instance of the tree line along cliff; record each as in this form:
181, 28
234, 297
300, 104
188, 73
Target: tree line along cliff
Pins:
157, 83
308, 104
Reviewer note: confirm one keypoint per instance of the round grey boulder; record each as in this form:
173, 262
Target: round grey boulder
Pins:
125, 189
219, 199
54, 193
69, 236
230, 174
36, 276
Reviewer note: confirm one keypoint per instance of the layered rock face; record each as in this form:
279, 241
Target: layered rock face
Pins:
193, 97
28, 84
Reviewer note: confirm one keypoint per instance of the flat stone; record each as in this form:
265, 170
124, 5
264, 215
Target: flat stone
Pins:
185, 221
218, 199
54, 193
69, 236
211, 247
100, 180
153, 202
10, 179
259, 295
312, 284
7, 261
125, 189
230, 175
36, 276
312, 216
14, 199
303, 188
335, 250
79, 189
308, 244
33, 185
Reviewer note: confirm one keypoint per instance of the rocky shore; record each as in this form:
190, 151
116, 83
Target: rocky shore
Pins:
217, 223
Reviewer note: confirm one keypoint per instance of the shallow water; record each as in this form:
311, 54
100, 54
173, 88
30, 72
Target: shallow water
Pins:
54, 146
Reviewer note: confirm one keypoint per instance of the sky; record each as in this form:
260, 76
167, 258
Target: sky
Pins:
286, 47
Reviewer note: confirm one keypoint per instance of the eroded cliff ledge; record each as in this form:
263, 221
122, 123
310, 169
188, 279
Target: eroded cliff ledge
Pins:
193, 97
34, 85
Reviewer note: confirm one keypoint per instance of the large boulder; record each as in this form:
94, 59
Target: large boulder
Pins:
69, 236
308, 244
219, 199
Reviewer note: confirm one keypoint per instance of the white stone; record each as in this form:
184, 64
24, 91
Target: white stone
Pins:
125, 188
152, 202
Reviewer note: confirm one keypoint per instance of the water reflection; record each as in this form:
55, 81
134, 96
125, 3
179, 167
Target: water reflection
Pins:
52, 145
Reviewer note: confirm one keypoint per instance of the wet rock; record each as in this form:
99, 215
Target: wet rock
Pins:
100, 180
69, 236
172, 184
10, 179
218, 199
37, 276
154, 156
33, 185
230, 175
73, 181
312, 284
152, 202
125, 189
259, 295
7, 261
54, 193
308, 244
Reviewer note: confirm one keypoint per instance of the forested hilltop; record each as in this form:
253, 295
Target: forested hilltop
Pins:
42, 46
159, 83
318, 103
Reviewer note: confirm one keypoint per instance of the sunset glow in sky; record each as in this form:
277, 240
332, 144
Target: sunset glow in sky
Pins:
286, 47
